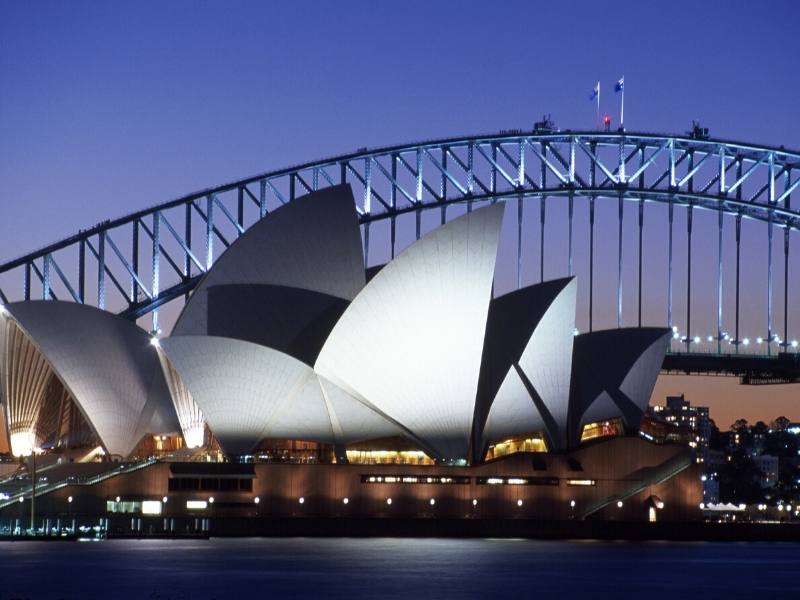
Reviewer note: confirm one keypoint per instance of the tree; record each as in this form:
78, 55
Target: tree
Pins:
740, 425
780, 424
760, 427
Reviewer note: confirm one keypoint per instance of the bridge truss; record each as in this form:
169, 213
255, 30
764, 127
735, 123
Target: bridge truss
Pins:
136, 264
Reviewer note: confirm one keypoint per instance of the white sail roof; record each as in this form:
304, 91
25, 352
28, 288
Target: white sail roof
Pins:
410, 343
313, 243
249, 392
108, 366
546, 364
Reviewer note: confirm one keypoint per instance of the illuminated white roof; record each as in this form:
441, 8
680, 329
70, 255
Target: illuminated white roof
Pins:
641, 378
410, 343
108, 366
513, 411
249, 392
313, 243
546, 364
615, 372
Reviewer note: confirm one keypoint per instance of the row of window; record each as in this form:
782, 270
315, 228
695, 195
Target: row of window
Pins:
441, 480
211, 484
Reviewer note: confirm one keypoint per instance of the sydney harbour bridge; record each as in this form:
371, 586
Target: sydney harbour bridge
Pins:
689, 232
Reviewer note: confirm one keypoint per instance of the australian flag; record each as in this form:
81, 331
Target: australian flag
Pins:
595, 91
620, 85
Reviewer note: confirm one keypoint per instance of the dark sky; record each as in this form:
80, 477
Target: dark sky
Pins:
110, 107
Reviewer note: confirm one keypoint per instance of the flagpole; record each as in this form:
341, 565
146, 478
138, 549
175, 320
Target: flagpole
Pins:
622, 105
598, 104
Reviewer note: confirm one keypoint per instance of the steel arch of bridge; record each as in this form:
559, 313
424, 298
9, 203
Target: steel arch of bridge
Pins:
740, 180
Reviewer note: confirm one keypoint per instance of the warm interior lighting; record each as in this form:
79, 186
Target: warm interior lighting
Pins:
601, 429
394, 457
530, 443
22, 443
194, 436
151, 507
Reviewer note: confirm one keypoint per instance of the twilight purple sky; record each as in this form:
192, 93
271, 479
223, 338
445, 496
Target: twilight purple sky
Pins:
110, 107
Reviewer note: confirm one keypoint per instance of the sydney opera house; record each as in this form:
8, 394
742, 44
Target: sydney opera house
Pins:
295, 382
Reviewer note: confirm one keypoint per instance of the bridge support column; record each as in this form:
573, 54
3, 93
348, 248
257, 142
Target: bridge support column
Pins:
688, 276
591, 261
786, 287
669, 265
719, 281
738, 265
619, 261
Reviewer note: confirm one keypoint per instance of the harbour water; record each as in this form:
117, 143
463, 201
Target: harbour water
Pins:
394, 568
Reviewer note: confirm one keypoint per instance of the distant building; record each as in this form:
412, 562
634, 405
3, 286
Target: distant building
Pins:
768, 465
685, 424
679, 422
710, 490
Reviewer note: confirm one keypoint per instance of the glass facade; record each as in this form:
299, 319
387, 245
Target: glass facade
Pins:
602, 429
529, 443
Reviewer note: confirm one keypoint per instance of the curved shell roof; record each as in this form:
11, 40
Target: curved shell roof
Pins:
411, 342
304, 261
614, 373
534, 394
249, 392
108, 365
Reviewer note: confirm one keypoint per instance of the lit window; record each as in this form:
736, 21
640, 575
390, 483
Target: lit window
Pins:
151, 507
610, 428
